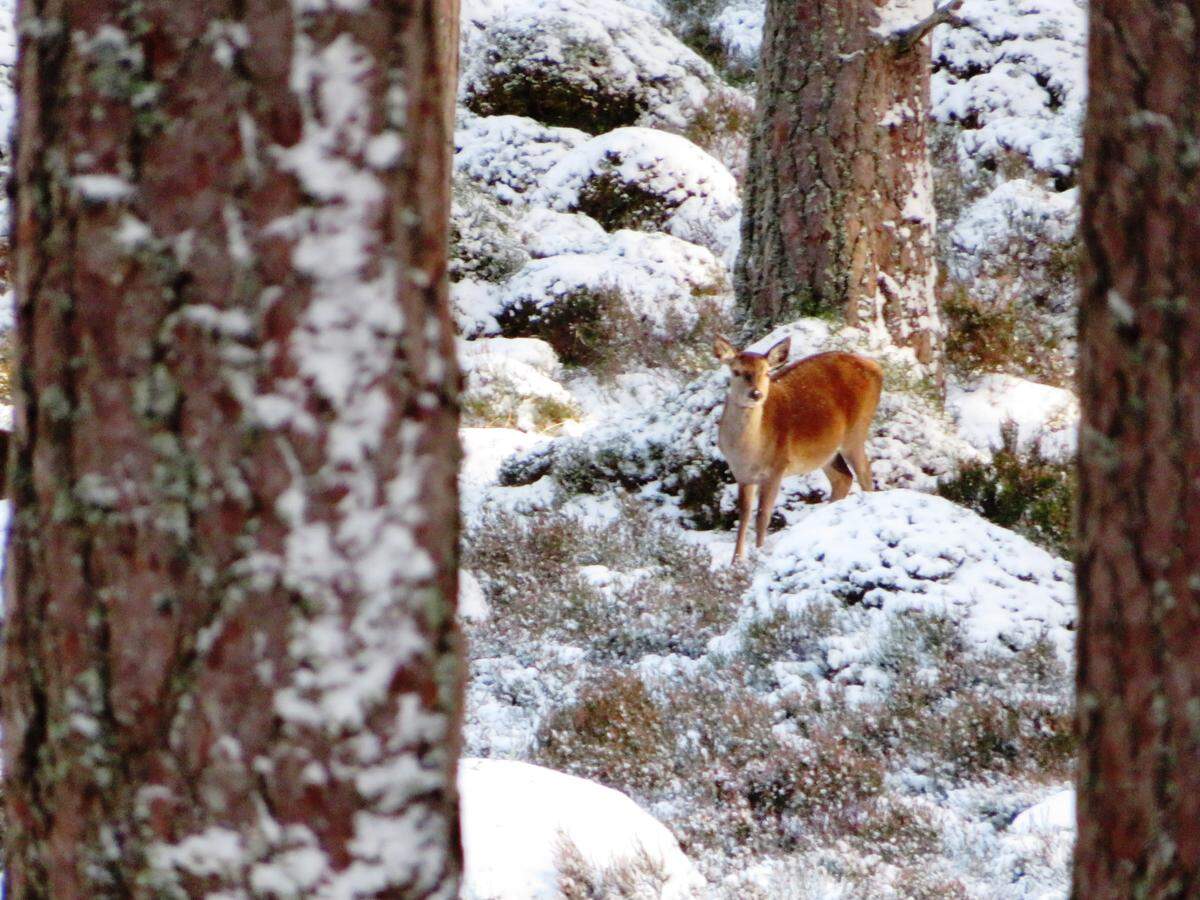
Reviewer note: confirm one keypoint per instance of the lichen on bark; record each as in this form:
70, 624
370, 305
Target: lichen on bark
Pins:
230, 658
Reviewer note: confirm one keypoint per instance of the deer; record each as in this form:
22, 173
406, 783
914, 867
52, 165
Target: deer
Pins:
790, 420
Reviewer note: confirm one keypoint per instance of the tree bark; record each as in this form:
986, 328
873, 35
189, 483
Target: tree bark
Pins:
230, 661
837, 210
1139, 514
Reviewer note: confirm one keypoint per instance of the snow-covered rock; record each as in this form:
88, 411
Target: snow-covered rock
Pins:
651, 180
1055, 813
517, 817
589, 64
884, 555
1046, 417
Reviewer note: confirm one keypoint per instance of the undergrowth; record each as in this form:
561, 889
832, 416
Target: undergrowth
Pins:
1022, 490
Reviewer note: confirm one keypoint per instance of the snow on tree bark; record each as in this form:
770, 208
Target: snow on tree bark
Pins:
230, 658
1139, 515
837, 211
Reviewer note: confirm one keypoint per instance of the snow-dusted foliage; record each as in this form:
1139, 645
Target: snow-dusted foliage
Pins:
589, 64
510, 382
484, 241
1016, 245
622, 299
894, 657
660, 280
1046, 417
1012, 74
647, 179
509, 155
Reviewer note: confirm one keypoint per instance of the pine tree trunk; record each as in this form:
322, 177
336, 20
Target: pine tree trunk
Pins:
230, 662
1139, 517
837, 211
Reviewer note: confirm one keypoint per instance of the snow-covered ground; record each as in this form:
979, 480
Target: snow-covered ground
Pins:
519, 822
880, 706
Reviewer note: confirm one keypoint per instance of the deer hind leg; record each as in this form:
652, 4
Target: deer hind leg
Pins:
766, 505
857, 457
839, 477
745, 511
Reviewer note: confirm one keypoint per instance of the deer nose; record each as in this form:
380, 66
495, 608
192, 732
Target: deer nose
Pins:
755, 394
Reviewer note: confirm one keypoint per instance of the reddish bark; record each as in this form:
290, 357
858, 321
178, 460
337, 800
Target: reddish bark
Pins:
837, 214
1139, 514
179, 452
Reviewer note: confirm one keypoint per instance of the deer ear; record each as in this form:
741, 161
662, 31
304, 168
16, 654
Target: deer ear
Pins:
723, 349
778, 354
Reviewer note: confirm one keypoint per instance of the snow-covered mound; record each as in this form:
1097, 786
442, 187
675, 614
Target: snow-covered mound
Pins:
882, 556
1045, 417
651, 180
518, 820
510, 381
589, 64
657, 280
509, 155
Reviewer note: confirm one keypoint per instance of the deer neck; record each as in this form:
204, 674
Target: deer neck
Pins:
741, 439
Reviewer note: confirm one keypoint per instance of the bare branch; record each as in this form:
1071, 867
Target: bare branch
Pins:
904, 39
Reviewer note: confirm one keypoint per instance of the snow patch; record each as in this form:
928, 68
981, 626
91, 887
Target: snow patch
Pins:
515, 816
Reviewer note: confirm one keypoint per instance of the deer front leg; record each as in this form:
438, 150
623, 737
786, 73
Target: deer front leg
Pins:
745, 511
766, 505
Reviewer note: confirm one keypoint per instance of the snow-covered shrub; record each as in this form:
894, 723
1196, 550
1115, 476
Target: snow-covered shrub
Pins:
985, 337
1011, 262
595, 65
650, 180
1012, 76
719, 30
722, 129
509, 383
1008, 89
1019, 488
509, 155
617, 589
639, 876
646, 299
920, 630
613, 733
1045, 417
485, 242
709, 752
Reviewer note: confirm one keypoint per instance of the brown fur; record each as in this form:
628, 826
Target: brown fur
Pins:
813, 414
